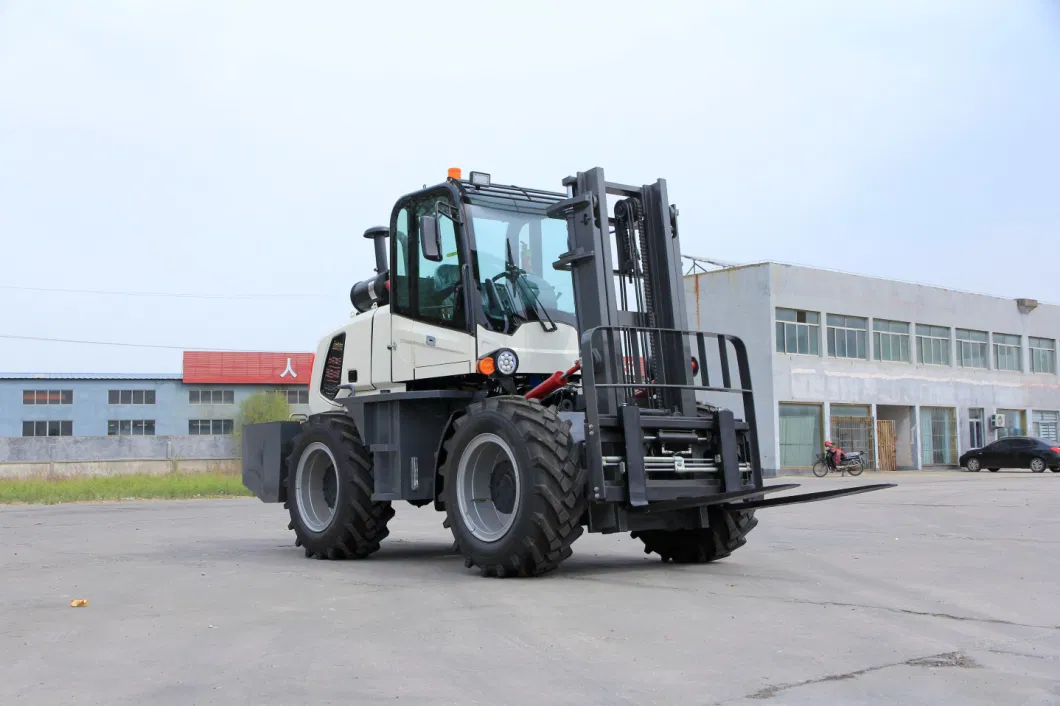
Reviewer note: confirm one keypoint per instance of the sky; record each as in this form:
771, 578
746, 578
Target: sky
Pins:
213, 165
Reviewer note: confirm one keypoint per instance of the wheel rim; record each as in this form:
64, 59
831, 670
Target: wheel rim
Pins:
1037, 465
316, 486
488, 488
973, 465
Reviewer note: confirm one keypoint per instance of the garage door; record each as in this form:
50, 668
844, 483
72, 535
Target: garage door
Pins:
1045, 425
800, 434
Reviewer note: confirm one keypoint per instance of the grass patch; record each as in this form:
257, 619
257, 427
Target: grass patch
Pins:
169, 486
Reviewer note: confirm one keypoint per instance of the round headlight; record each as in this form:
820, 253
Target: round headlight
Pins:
507, 362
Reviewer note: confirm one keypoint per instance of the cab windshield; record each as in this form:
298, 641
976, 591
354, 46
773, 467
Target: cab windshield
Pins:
515, 250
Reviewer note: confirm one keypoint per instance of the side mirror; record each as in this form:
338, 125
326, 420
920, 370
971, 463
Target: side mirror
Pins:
430, 241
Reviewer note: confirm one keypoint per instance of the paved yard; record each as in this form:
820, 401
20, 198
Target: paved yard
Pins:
945, 590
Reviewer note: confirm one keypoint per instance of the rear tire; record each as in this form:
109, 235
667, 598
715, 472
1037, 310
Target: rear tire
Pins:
858, 468
1037, 465
820, 469
329, 491
727, 533
513, 489
993, 470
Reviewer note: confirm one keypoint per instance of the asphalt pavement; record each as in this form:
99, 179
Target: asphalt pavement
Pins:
943, 590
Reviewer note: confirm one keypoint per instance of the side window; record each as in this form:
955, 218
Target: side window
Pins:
438, 293
400, 277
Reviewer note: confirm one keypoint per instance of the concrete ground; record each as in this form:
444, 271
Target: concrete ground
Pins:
943, 590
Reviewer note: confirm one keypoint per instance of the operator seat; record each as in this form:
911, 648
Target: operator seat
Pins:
440, 293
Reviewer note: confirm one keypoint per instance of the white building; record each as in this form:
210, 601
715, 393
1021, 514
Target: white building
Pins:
911, 374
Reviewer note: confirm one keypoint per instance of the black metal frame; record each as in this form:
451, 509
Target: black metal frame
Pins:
441, 191
610, 389
623, 405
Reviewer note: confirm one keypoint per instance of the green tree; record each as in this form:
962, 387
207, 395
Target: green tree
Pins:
260, 407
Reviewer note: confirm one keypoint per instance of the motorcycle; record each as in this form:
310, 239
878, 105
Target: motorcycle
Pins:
853, 463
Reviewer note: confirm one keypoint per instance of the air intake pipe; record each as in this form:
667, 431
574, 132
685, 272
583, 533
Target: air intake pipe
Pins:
379, 235
372, 291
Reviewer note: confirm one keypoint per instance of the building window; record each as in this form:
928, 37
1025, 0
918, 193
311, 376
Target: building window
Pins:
798, 332
890, 340
52, 428
1014, 425
938, 436
130, 397
971, 349
208, 427
211, 397
293, 396
39, 397
801, 434
848, 336
1046, 425
976, 439
1043, 355
932, 345
131, 427
1007, 352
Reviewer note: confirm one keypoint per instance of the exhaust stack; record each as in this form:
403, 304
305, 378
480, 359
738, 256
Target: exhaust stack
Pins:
379, 235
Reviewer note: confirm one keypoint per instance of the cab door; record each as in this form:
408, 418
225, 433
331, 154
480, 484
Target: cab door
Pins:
430, 333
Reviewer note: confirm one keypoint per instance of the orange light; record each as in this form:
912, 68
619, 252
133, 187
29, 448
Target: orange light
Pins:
486, 366
454, 172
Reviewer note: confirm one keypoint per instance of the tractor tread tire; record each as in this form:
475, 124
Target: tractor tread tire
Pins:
359, 524
727, 532
557, 501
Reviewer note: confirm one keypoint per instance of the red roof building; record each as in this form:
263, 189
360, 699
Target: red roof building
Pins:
211, 367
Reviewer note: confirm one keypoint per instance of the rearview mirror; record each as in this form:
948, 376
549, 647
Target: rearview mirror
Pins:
430, 242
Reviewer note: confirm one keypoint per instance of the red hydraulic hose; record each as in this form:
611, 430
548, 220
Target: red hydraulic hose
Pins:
554, 381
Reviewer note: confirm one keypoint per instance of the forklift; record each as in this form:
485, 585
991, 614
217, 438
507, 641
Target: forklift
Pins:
521, 359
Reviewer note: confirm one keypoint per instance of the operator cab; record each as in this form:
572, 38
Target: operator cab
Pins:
494, 242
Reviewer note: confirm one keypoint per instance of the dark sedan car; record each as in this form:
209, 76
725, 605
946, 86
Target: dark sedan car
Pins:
1015, 452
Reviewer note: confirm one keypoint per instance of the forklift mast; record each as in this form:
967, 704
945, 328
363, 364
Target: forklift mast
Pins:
641, 367
644, 226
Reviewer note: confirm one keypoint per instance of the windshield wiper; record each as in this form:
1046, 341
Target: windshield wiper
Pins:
518, 276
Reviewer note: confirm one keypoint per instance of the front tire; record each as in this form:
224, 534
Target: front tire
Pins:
820, 469
1037, 465
329, 491
973, 465
513, 489
727, 532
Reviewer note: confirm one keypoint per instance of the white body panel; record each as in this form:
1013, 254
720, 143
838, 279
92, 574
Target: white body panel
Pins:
422, 350
357, 355
539, 351
383, 348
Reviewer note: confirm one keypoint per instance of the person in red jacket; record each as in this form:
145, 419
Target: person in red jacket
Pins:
835, 454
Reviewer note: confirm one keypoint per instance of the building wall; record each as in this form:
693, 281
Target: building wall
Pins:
743, 301
116, 448
737, 302
845, 380
90, 410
